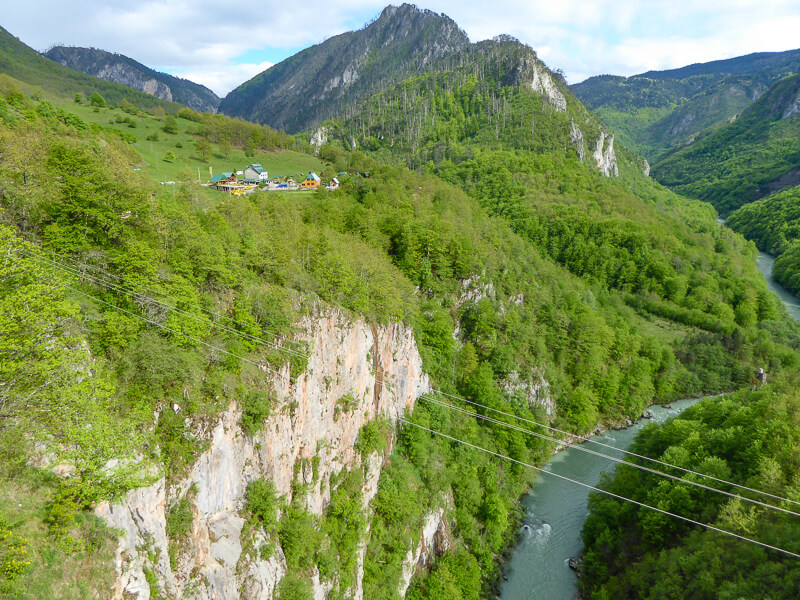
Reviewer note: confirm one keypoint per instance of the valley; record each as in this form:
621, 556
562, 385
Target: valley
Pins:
334, 392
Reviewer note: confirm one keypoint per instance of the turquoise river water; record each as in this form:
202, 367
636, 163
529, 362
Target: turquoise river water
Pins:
555, 509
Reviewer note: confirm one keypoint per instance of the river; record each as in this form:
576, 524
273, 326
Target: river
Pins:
765, 263
556, 509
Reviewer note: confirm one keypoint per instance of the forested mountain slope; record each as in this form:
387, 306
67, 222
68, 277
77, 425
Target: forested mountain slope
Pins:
773, 223
655, 111
324, 80
26, 65
757, 154
244, 361
126, 71
749, 437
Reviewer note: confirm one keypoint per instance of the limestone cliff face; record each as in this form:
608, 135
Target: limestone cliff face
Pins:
126, 71
576, 135
378, 366
604, 155
542, 83
434, 540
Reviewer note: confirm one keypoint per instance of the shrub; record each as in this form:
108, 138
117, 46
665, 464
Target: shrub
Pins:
262, 502
256, 406
97, 100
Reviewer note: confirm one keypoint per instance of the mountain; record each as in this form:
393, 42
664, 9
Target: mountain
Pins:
29, 67
657, 110
492, 95
126, 71
755, 155
261, 373
263, 349
329, 78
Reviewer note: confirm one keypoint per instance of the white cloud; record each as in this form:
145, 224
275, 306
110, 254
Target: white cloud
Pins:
222, 80
207, 38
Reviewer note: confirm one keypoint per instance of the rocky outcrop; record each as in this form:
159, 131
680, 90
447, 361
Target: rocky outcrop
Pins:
377, 366
793, 109
533, 390
542, 83
434, 540
604, 156
319, 137
126, 71
576, 135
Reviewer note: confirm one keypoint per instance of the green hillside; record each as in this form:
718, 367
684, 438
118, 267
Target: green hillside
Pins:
748, 437
473, 211
486, 103
774, 225
658, 110
755, 155
50, 78
126, 71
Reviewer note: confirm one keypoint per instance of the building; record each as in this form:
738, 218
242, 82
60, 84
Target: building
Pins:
334, 184
255, 173
312, 181
224, 178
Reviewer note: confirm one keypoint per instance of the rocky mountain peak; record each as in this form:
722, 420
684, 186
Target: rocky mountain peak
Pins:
126, 71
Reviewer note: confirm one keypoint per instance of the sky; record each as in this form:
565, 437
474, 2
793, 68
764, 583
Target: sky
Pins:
221, 44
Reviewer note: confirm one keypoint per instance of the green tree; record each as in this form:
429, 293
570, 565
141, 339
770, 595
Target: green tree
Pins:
169, 156
170, 124
78, 98
203, 148
225, 148
97, 100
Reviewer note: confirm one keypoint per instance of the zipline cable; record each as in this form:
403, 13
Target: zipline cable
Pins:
138, 296
612, 458
188, 337
606, 492
78, 272
575, 436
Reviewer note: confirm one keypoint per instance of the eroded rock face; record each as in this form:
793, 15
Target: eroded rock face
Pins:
538, 78
319, 137
434, 540
379, 367
604, 155
533, 390
542, 83
576, 135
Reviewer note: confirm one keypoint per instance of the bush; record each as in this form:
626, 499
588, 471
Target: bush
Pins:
262, 502
299, 538
97, 100
292, 587
170, 124
256, 406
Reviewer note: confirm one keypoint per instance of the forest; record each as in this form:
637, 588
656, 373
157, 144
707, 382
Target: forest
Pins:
511, 262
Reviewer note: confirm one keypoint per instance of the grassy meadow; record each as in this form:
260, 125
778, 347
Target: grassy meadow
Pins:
182, 145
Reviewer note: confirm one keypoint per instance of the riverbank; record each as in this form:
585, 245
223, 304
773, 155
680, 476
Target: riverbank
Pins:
555, 510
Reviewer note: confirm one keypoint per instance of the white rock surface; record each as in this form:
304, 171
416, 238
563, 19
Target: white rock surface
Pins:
433, 541
576, 135
379, 366
604, 155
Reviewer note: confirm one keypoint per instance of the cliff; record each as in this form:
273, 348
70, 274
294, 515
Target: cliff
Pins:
126, 71
378, 366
